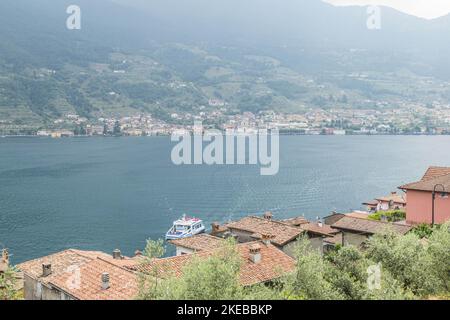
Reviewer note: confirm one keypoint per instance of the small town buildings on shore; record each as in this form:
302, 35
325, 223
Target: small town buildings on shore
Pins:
92, 275
265, 247
394, 201
428, 198
281, 235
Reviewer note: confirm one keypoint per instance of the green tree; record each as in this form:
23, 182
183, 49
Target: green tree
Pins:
215, 277
348, 274
150, 279
350, 277
309, 280
391, 216
406, 259
8, 284
408, 268
423, 230
439, 251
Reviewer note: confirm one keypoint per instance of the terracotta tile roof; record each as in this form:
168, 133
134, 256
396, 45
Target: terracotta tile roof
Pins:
123, 282
282, 233
199, 242
370, 203
434, 172
60, 262
297, 221
356, 214
369, 226
316, 228
64, 260
395, 197
274, 263
428, 184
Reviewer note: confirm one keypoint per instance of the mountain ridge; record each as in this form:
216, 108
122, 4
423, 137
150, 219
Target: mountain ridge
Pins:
255, 58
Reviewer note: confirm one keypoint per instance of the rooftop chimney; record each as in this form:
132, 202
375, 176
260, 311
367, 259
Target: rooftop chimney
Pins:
320, 224
46, 269
255, 253
138, 253
268, 215
266, 238
117, 255
105, 281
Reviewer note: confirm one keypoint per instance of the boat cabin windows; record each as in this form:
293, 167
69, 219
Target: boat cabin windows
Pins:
180, 228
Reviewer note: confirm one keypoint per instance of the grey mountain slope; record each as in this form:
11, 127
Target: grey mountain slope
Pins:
309, 38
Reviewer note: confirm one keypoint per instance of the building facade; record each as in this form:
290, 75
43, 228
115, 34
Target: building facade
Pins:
422, 206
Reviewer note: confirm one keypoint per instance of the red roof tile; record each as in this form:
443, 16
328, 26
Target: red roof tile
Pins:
64, 263
199, 242
429, 184
394, 197
60, 263
123, 283
282, 232
369, 226
320, 229
297, 221
274, 263
434, 172
356, 214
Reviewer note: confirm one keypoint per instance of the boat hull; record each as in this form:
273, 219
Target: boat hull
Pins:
174, 236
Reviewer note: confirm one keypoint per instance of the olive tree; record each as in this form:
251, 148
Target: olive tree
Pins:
8, 284
406, 258
212, 277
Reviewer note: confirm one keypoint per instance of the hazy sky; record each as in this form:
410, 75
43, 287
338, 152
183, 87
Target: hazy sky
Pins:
428, 9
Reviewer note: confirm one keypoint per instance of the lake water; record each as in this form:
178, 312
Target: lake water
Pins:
106, 193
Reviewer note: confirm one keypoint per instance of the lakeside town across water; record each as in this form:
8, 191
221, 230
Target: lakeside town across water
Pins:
417, 120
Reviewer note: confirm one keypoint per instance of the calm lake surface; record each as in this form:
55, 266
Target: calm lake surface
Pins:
106, 193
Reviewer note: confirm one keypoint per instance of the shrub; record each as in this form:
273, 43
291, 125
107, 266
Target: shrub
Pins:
391, 216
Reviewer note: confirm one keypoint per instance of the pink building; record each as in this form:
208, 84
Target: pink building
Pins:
394, 201
419, 208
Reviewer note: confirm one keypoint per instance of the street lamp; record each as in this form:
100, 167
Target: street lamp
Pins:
434, 198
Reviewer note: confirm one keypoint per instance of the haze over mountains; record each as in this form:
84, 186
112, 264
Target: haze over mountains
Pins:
161, 56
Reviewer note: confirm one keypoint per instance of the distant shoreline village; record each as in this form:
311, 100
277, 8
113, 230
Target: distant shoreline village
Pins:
313, 122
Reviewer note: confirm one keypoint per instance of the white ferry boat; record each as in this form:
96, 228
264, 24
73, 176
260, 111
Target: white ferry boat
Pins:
185, 227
